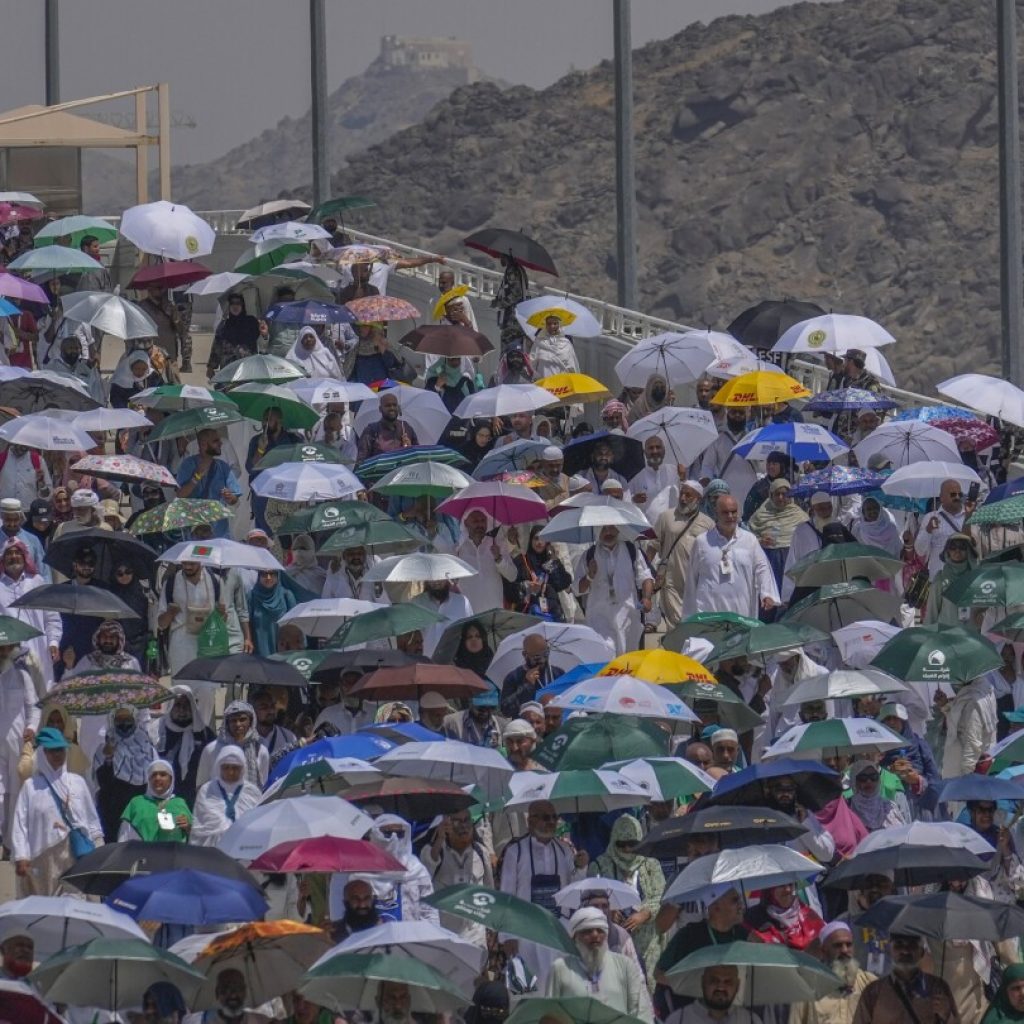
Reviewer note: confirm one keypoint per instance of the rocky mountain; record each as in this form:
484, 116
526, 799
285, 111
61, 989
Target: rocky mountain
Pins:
841, 153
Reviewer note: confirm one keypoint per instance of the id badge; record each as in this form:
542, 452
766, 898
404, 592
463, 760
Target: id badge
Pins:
165, 820
725, 568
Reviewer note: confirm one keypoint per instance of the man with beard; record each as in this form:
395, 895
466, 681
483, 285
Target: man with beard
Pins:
836, 940
231, 995
719, 987
807, 538
17, 954
273, 736
522, 683
489, 554
394, 1003
181, 739
602, 455
720, 462
613, 979
907, 993
655, 476
478, 724
345, 579
439, 597
389, 433
521, 424
208, 476
271, 436
361, 910
780, 794
677, 530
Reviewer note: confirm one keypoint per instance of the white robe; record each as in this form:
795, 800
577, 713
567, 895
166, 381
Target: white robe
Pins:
209, 822
183, 646
552, 354
930, 545
612, 606
320, 363
340, 584
453, 607
806, 540
18, 477
719, 462
48, 623
485, 591
708, 589
18, 712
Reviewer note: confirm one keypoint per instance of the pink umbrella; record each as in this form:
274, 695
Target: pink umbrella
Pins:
126, 467
12, 213
978, 434
15, 287
508, 504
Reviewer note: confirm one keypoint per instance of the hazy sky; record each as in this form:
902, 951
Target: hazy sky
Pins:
237, 66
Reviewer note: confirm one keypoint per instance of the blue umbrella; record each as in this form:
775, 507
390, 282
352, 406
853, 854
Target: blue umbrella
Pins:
980, 787
575, 675
816, 785
308, 311
365, 746
1007, 490
8, 308
188, 897
845, 399
838, 480
927, 413
805, 442
508, 458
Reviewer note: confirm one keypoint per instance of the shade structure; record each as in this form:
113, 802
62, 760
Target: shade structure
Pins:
666, 778
326, 776
240, 670
627, 453
447, 340
307, 481
621, 896
45, 433
626, 695
74, 229
383, 623
410, 798
583, 524
433, 479
419, 567
834, 736
842, 685
75, 599
987, 586
254, 401
507, 504
569, 388
567, 1010
363, 745
568, 645
945, 916
759, 388
423, 410
496, 625
222, 553
575, 319
504, 400
41, 392
53, 257
841, 604
322, 617
924, 480
860, 641
849, 400
841, 563
657, 666
685, 433
329, 854
803, 442
259, 369
767, 639
816, 785
989, 395
102, 691
501, 242
937, 654
837, 480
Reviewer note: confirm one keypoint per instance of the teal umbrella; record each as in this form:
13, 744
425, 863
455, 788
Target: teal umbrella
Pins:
190, 421
840, 563
711, 626
989, 585
730, 709
377, 534
596, 739
53, 257
254, 400
937, 654
1012, 627
307, 451
388, 622
567, 1010
1009, 510
767, 639
333, 515
841, 604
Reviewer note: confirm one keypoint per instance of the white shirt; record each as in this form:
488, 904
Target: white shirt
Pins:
930, 545
806, 540
697, 1013
746, 580
454, 606
527, 857
18, 477
485, 591
343, 584
718, 461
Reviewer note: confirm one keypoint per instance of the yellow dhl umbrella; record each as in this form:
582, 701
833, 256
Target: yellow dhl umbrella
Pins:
659, 666
453, 293
760, 388
574, 387
567, 316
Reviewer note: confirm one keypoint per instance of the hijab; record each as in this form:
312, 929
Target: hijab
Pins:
400, 847
62, 515
714, 490
647, 403
133, 753
250, 745
782, 521
471, 450
479, 661
319, 361
840, 822
109, 661
219, 804
626, 829
266, 606
187, 732
451, 375
123, 376
872, 810
159, 765
882, 533
304, 568
1000, 1011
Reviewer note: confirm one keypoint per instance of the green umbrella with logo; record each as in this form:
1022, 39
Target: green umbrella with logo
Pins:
767, 639
254, 400
332, 515
596, 739
937, 654
14, 631
260, 257
1011, 628
1001, 583
391, 621
840, 563
307, 451
501, 912
730, 709
190, 421
712, 626
841, 604
376, 534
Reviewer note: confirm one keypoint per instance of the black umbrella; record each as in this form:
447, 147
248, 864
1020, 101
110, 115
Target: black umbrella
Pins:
36, 394
240, 670
498, 242
496, 624
111, 548
628, 453
446, 340
910, 864
946, 916
816, 785
72, 599
363, 661
99, 873
739, 826
760, 326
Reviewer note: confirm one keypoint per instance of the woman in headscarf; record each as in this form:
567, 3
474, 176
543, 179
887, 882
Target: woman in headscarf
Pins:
236, 336
62, 511
314, 356
451, 383
120, 767
224, 799
134, 373
268, 601
541, 577
55, 717
238, 729
656, 395
49, 805
621, 862
473, 652
778, 466
479, 442
866, 800
304, 568
773, 524
19, 577
958, 558
782, 920
138, 595
393, 712
714, 490
158, 815
1007, 1006
371, 359
182, 737
876, 526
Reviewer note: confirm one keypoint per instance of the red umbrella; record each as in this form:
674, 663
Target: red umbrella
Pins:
328, 854
410, 682
171, 274
977, 433
411, 798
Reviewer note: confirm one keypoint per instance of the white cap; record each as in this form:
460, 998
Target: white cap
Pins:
727, 735
894, 710
519, 727
552, 454
11, 505
821, 498
587, 917
831, 928
578, 483
433, 701
693, 485
84, 498
611, 484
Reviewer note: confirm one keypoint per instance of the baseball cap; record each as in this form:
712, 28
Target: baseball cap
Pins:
894, 710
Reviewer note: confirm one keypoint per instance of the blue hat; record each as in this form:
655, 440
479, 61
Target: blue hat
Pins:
487, 699
51, 739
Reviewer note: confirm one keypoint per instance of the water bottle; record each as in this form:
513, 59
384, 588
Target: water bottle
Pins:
152, 654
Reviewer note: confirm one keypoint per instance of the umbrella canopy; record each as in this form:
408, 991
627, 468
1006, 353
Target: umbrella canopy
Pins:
592, 741
383, 623
980, 787
712, 626
326, 662
240, 670
833, 332
924, 479
679, 358
937, 654
504, 400
729, 708
507, 504
308, 312
46, 433
322, 391
665, 778
323, 616
747, 869
108, 420
769, 975
761, 325
499, 242
945, 916
570, 388
262, 257
423, 410
109, 314
509, 458
338, 206
987, 586
362, 745
759, 388
100, 692
840, 563
840, 604
832, 737
411, 798
568, 645
859, 642
842, 685
53, 257
110, 550
684, 432
176, 397
290, 230
627, 453
125, 467
377, 536
992, 396
803, 442
658, 666
620, 895
347, 255
73, 229
180, 514
275, 208
188, 897
463, 764
254, 400
216, 284
377, 308
307, 481
410, 682
816, 785
189, 421
328, 854
167, 229
766, 639
626, 695
378, 466
1011, 627
302, 817
419, 567
15, 287
327, 776
838, 480
260, 369
583, 524
170, 274
38, 393
741, 826
1009, 510
332, 515
447, 340
496, 625
577, 792
973, 434
905, 442
74, 599
567, 1010
847, 400
56, 922
22, 1004
14, 631
112, 974
501, 912
221, 553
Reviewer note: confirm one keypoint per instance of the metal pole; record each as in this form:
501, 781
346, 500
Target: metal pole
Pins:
163, 101
52, 36
625, 185
318, 80
1010, 253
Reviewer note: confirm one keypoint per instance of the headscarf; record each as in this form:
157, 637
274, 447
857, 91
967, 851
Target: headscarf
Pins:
217, 805
781, 521
872, 810
385, 711
266, 606
625, 830
187, 745
400, 847
123, 376
20, 545
250, 744
167, 999
478, 662
647, 403
319, 361
61, 516
505, 376
304, 568
451, 375
133, 753
1000, 1011
109, 661
229, 755
882, 533
714, 490
845, 827
159, 765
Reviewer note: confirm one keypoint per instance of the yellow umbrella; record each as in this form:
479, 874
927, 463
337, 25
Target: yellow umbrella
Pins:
760, 388
574, 387
567, 316
453, 293
658, 666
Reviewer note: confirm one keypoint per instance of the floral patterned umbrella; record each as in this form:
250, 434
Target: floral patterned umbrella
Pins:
838, 480
180, 514
99, 693
930, 413
346, 255
376, 308
126, 467
848, 398
976, 433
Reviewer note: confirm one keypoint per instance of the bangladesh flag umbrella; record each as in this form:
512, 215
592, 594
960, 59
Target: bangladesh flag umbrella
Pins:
567, 1010
307, 451
253, 401
577, 792
834, 737
988, 586
332, 515
180, 514
394, 620
99, 693
840, 563
937, 654
500, 912
712, 626
592, 741
767, 639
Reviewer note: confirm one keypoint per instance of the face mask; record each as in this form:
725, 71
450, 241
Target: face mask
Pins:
19, 968
124, 729
657, 393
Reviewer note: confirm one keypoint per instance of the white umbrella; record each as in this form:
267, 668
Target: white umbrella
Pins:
504, 400
190, 396
924, 479
859, 642
56, 922
748, 869
679, 358
63, 377
345, 772
584, 525
221, 553
304, 268
21, 199
843, 684
47, 433
14, 372
167, 229
290, 206
833, 332
450, 761
102, 420
422, 410
925, 833
450, 955
324, 616
300, 817
216, 284
424, 474
581, 323
991, 396
109, 314
307, 481
579, 791
685, 432
620, 895
319, 392
904, 442
290, 231
845, 735
418, 567
625, 695
569, 645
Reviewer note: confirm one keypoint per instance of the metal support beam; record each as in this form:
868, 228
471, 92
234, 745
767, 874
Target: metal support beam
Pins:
163, 97
52, 37
318, 88
141, 152
625, 185
1010, 251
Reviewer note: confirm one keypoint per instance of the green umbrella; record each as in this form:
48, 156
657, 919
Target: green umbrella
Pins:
175, 397
496, 624
767, 639
769, 975
377, 466
112, 974
840, 563
841, 604
712, 626
307, 451
937, 654
394, 620
14, 631
732, 711
263, 256
592, 741
832, 737
501, 912
986, 586
351, 981
578, 792
338, 207
433, 479
253, 401
322, 777
567, 1010
190, 421
378, 534
180, 514
259, 370
54, 257
75, 228
1012, 627
333, 515
306, 662
1009, 510
671, 778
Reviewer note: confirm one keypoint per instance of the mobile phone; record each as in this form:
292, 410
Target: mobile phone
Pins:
973, 491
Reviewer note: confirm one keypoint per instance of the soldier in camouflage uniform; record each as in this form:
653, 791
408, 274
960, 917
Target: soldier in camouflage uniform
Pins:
173, 326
